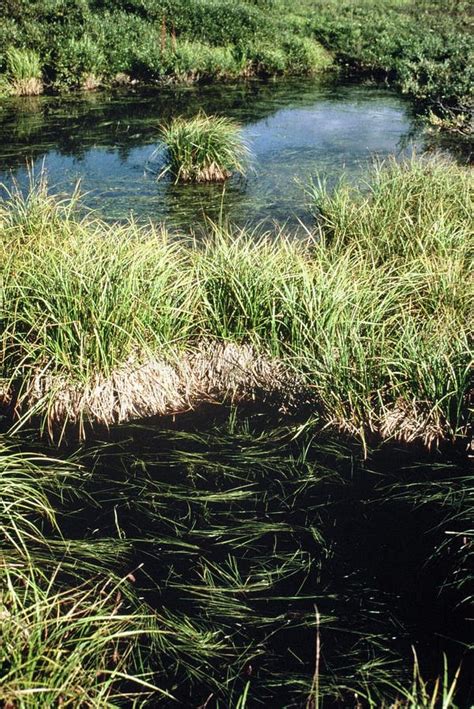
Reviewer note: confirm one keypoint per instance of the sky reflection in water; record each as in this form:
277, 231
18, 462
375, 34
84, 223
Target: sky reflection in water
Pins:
296, 131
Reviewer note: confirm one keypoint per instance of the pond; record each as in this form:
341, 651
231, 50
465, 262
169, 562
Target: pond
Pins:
253, 542
296, 131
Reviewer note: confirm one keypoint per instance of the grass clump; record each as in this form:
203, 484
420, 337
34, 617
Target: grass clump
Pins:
72, 634
203, 149
24, 71
368, 319
72, 646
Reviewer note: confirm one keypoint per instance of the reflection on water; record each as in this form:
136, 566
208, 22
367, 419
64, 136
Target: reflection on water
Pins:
295, 130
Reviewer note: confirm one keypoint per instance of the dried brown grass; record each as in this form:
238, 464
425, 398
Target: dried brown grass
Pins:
91, 82
212, 173
27, 87
221, 373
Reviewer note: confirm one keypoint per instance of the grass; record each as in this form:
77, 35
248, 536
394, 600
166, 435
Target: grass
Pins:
168, 40
441, 694
70, 646
70, 634
24, 72
367, 321
203, 149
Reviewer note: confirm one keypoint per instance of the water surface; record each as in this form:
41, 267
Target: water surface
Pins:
243, 533
296, 130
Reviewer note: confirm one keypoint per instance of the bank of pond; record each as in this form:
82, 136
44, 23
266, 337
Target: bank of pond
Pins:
423, 49
365, 323
234, 460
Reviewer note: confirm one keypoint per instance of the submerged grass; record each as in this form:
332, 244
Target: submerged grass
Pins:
367, 321
203, 149
170, 569
72, 633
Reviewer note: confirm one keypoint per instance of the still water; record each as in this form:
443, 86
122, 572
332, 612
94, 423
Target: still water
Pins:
252, 541
296, 131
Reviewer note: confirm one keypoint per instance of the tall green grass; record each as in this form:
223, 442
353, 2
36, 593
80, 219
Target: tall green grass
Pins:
371, 313
24, 71
203, 149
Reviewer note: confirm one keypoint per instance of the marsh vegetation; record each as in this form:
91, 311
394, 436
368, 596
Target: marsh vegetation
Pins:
422, 48
234, 460
203, 149
367, 321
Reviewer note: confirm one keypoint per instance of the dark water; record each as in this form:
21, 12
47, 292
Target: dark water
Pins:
241, 534
295, 130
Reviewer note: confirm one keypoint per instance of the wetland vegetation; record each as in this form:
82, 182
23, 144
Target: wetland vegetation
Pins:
203, 149
366, 322
234, 441
425, 49
174, 568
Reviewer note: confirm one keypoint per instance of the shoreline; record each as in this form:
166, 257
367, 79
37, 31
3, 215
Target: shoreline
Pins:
369, 315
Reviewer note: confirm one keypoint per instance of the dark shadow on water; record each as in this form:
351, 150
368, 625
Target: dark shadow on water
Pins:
241, 531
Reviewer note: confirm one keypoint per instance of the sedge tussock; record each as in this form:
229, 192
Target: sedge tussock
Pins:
24, 72
367, 321
203, 149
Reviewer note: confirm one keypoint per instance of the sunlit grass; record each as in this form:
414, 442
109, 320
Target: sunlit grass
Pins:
203, 149
368, 319
24, 71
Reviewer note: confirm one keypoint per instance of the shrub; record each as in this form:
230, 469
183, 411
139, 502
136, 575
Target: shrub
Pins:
9, 36
305, 56
193, 60
126, 41
424, 52
267, 59
203, 149
219, 22
78, 60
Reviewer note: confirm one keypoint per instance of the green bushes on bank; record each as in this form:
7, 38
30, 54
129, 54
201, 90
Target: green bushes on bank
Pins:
155, 41
424, 49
